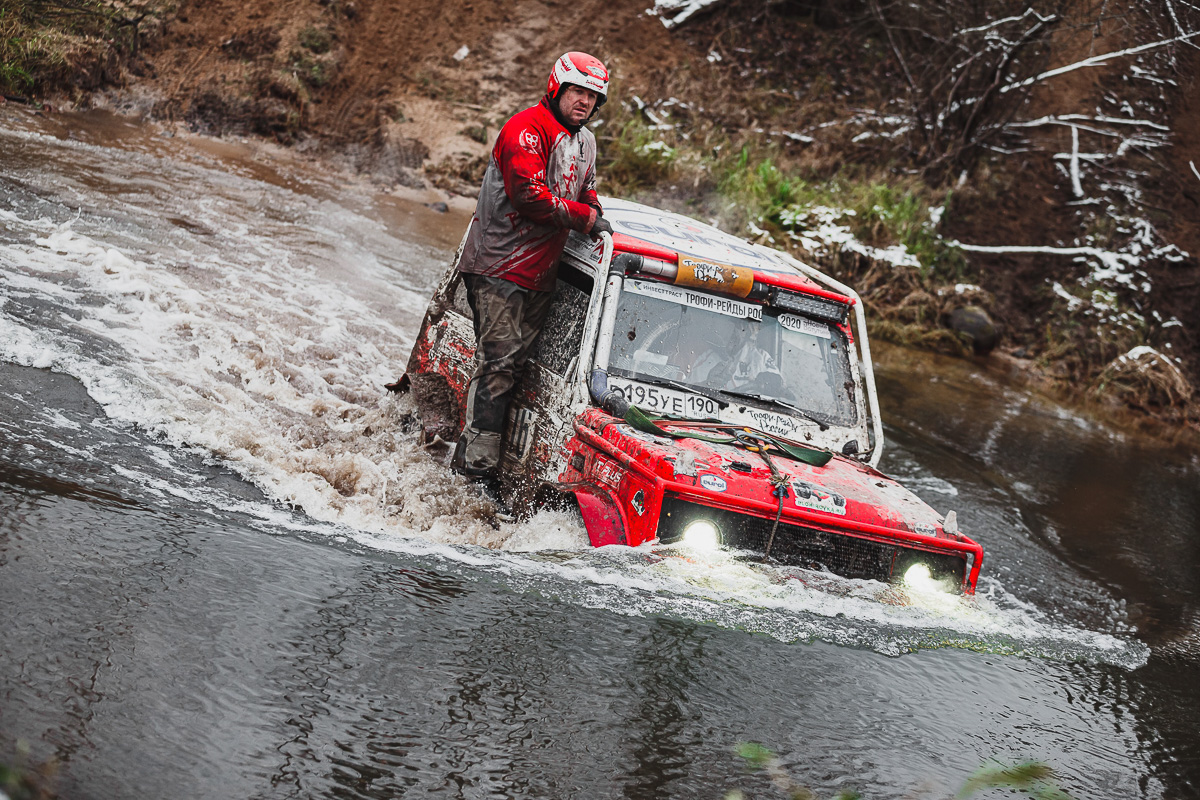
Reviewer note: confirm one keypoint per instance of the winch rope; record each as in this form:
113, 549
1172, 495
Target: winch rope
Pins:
648, 423
779, 481
780, 492
754, 441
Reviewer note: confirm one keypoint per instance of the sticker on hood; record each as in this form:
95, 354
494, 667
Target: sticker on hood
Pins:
818, 499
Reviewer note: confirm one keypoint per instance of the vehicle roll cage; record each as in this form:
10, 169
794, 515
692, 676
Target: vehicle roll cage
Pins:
591, 375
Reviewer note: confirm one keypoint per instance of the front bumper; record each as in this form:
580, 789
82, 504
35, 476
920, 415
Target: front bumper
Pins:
807, 545
845, 546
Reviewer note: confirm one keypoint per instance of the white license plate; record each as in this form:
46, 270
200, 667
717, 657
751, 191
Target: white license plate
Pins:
661, 400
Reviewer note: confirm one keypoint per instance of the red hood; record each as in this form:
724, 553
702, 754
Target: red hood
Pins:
843, 490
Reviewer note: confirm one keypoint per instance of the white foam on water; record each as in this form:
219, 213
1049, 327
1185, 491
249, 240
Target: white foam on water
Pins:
265, 344
787, 603
262, 367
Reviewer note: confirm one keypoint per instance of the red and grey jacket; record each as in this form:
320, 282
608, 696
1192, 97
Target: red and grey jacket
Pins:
539, 185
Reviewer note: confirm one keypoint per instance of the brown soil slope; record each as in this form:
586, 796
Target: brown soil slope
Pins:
379, 80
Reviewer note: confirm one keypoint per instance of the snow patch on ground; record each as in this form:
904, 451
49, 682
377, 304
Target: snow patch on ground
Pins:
1143, 357
820, 230
677, 12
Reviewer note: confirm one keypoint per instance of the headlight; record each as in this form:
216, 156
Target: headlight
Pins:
919, 579
701, 535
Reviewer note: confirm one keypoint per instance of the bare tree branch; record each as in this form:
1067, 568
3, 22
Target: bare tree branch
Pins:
1097, 60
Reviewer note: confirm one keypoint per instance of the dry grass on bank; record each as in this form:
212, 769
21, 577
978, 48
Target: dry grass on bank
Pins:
50, 47
675, 156
30, 57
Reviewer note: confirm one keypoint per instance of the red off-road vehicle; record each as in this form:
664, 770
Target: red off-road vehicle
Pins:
689, 385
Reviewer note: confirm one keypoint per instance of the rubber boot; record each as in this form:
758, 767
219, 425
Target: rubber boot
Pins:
492, 491
477, 454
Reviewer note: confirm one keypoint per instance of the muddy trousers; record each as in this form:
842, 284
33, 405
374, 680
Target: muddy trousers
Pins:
508, 318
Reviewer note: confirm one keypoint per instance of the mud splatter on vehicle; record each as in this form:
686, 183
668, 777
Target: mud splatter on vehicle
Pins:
691, 386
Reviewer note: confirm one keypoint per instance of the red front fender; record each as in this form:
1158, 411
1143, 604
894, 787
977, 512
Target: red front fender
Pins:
602, 515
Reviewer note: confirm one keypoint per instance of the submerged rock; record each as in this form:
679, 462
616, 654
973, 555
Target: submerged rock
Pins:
975, 324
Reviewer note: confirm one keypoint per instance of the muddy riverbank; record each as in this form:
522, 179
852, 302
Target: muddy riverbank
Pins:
1075, 234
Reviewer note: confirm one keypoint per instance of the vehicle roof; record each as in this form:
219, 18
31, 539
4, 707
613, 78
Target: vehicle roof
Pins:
688, 236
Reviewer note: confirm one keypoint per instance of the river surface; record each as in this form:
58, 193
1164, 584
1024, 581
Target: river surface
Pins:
227, 570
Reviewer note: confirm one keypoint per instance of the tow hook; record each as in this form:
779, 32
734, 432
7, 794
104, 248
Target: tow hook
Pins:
780, 491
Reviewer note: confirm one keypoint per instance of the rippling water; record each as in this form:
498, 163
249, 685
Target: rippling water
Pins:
227, 570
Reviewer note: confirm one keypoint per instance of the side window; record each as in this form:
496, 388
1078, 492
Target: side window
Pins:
562, 333
460, 303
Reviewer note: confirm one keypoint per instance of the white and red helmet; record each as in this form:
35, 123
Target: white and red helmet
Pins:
579, 69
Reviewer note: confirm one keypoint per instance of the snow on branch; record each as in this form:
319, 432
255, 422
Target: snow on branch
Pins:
1146, 75
1103, 255
1076, 184
1113, 265
1095, 61
955, 56
1069, 119
1006, 20
789, 135
1175, 19
676, 12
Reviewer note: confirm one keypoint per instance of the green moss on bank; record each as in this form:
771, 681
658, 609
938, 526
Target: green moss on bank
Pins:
751, 188
55, 46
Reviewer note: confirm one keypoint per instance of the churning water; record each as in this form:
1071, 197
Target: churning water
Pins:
194, 337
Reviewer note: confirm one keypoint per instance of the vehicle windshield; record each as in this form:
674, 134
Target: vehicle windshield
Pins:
729, 349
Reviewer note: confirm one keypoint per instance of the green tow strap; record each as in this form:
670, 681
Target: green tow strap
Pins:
648, 423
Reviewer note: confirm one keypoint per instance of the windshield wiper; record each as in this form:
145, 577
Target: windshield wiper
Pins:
781, 403
683, 387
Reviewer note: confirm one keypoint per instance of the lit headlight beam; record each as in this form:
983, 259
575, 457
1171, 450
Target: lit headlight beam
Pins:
919, 579
702, 536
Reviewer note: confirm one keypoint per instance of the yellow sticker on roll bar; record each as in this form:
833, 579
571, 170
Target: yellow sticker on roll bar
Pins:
700, 273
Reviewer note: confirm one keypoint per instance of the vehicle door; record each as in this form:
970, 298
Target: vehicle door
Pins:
544, 405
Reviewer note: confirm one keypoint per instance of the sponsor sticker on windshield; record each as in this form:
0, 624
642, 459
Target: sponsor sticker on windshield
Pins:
802, 325
775, 424
708, 302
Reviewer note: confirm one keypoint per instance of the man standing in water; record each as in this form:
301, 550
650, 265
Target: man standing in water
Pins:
540, 184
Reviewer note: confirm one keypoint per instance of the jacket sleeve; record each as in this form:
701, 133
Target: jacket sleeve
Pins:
522, 153
587, 190
587, 195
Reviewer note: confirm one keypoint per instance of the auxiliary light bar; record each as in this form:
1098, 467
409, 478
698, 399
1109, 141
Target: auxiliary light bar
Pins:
807, 304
